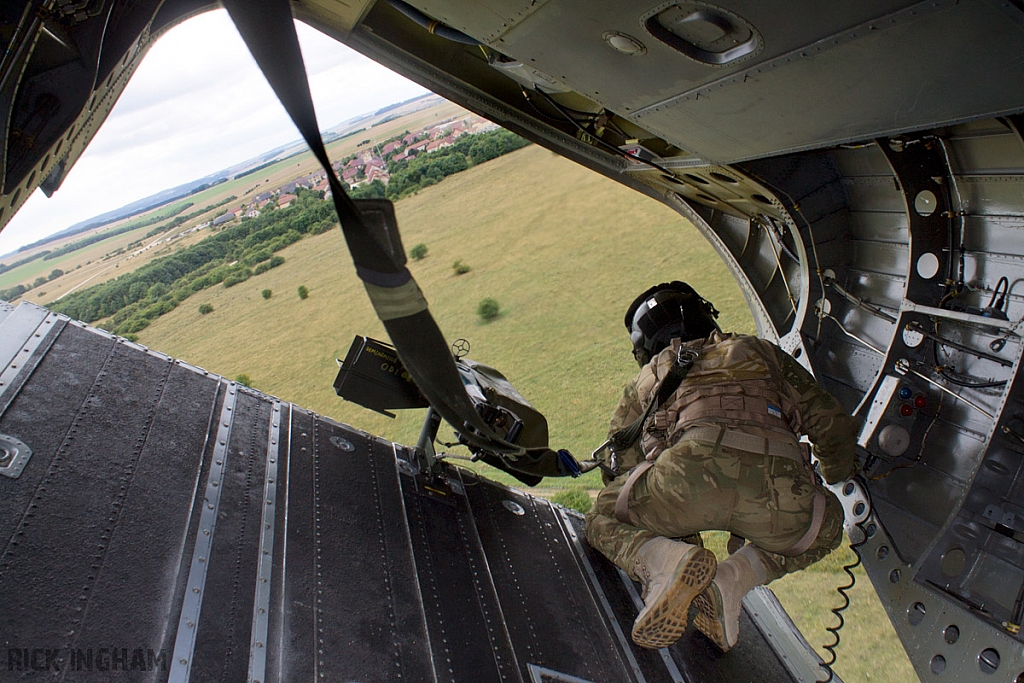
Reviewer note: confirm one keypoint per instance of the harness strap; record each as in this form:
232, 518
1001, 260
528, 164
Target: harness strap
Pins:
622, 512
268, 29
630, 434
817, 517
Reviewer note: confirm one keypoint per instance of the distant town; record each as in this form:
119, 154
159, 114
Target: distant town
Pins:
355, 170
365, 166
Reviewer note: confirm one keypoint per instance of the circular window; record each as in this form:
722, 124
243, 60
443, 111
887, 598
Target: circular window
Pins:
915, 615
988, 660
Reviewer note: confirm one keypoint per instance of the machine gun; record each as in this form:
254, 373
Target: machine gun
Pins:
372, 375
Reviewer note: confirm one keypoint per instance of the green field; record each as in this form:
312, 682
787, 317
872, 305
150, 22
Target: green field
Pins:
109, 258
563, 251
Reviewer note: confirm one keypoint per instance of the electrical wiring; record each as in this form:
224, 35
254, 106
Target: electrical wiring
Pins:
958, 380
851, 334
998, 300
920, 453
608, 147
860, 303
838, 611
843, 591
782, 273
915, 326
959, 212
773, 230
810, 234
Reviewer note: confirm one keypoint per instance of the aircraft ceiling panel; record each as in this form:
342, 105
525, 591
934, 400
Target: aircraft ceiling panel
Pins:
814, 97
486, 20
574, 41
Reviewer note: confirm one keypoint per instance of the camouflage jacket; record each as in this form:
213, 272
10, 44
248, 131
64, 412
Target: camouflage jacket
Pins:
748, 369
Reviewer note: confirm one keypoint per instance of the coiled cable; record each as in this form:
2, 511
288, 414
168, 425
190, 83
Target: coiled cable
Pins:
865, 514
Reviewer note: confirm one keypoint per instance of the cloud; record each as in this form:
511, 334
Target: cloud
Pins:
198, 104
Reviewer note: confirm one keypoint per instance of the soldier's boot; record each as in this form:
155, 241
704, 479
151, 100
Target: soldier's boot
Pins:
673, 573
718, 607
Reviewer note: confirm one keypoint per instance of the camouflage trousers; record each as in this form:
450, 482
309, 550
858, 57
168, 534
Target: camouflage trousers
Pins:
696, 486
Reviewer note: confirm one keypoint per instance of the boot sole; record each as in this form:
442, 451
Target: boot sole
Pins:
662, 624
710, 619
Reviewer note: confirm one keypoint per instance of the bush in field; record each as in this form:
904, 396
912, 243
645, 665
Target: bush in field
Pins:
460, 268
244, 380
488, 309
576, 499
419, 252
266, 293
205, 308
303, 292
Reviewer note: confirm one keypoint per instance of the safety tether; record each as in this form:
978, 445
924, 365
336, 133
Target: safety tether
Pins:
268, 29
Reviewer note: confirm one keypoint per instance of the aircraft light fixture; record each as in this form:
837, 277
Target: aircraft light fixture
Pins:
624, 43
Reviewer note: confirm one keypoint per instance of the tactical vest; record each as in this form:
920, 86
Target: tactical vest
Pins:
736, 382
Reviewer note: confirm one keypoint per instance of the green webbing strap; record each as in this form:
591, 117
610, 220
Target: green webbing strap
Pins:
268, 29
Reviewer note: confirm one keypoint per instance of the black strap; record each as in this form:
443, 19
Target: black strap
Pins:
268, 29
628, 435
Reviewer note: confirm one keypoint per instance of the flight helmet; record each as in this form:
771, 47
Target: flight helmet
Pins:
665, 312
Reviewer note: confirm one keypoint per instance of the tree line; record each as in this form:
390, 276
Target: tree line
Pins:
424, 170
228, 257
249, 248
100, 236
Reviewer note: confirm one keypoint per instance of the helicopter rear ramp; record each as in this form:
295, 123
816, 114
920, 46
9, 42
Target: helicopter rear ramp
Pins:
166, 524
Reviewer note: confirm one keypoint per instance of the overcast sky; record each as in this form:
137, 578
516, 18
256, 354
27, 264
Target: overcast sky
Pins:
198, 104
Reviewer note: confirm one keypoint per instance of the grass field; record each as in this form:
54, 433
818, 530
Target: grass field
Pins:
563, 250
99, 262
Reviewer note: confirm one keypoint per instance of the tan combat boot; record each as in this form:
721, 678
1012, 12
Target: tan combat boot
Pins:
673, 573
718, 607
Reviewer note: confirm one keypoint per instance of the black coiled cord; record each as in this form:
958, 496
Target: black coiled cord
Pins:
843, 590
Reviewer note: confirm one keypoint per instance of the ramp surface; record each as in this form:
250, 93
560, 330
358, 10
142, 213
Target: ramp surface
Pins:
171, 525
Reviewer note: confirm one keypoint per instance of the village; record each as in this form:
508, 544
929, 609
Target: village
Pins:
365, 166
368, 164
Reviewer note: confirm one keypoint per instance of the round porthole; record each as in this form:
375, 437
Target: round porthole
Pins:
988, 660
953, 562
925, 203
912, 338
938, 664
915, 615
951, 634
928, 266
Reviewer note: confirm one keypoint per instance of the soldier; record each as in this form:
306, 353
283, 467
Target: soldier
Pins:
707, 437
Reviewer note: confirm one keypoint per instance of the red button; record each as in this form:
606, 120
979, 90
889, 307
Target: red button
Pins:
906, 410
920, 401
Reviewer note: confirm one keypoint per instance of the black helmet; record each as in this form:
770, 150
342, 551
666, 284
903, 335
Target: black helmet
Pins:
665, 312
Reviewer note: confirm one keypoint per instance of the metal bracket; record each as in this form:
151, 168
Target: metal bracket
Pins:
14, 455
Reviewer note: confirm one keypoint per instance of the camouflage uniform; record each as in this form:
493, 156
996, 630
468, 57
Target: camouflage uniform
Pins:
702, 485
